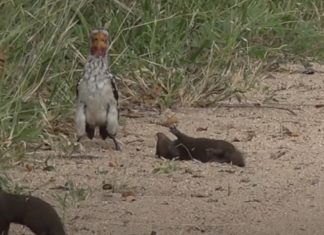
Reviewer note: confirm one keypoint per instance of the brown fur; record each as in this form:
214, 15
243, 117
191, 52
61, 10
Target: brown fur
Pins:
36, 214
165, 147
206, 150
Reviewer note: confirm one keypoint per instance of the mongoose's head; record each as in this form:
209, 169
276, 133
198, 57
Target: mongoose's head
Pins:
165, 147
162, 144
173, 129
99, 42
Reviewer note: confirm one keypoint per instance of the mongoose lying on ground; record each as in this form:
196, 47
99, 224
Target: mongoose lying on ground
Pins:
36, 214
202, 149
165, 147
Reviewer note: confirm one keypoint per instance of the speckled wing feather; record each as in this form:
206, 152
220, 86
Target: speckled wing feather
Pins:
77, 88
114, 87
115, 91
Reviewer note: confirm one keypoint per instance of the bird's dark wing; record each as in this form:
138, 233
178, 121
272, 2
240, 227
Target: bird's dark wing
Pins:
114, 88
77, 89
78, 84
111, 77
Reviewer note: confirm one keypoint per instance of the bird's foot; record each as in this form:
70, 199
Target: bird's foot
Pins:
118, 144
78, 146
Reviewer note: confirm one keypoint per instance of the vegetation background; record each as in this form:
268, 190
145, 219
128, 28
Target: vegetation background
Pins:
193, 52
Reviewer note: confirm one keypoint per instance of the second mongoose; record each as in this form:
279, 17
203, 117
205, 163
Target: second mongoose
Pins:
202, 149
38, 215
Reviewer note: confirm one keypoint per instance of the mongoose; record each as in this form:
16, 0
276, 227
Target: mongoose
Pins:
36, 214
97, 94
226, 155
202, 149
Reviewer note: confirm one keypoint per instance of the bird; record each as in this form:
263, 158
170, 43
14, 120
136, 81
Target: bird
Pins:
97, 94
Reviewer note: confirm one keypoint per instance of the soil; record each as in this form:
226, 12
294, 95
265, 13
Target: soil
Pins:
280, 191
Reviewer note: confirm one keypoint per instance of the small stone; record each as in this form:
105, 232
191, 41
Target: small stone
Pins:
245, 180
107, 186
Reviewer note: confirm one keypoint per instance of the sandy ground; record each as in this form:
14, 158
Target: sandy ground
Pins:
279, 191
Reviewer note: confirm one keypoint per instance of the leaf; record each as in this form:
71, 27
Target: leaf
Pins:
319, 106
49, 168
29, 167
128, 194
289, 132
170, 121
202, 129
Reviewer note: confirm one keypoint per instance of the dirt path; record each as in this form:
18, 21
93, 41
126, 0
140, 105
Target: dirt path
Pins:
279, 191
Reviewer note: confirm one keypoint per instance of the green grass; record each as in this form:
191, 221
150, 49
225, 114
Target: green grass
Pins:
186, 52
7, 184
166, 168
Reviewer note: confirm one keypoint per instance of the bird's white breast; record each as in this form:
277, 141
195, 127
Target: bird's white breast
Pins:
95, 91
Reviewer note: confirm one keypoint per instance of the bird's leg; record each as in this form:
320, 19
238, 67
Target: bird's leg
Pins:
78, 144
82, 126
116, 142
